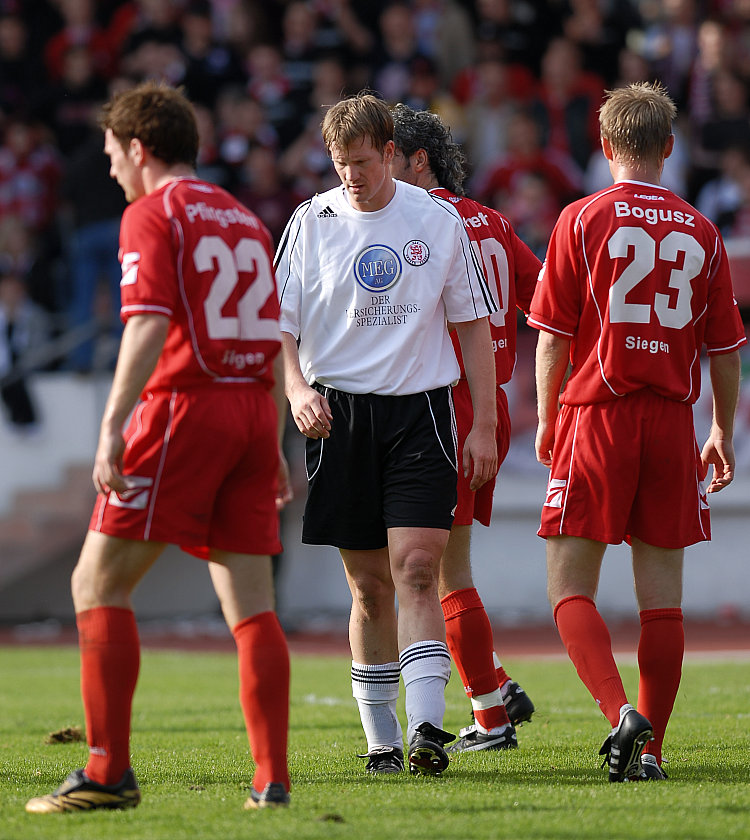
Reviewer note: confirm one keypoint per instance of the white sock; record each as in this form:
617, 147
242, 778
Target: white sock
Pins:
375, 688
426, 668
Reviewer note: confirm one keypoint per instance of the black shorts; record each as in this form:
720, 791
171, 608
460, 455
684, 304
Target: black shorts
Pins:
390, 462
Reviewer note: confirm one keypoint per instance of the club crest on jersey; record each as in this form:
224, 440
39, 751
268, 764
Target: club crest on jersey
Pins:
377, 268
416, 252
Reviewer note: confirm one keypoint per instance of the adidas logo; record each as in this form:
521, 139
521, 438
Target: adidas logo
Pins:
327, 213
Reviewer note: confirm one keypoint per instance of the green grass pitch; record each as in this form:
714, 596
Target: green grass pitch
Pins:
190, 755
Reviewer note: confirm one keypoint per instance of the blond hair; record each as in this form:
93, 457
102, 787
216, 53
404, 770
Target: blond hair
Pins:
637, 121
355, 118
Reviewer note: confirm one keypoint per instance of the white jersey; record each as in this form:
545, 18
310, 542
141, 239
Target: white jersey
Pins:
368, 294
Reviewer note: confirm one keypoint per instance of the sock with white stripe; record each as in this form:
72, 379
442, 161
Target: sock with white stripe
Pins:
375, 688
426, 668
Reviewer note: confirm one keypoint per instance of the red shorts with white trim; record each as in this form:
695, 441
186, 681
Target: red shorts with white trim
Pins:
204, 469
627, 468
477, 504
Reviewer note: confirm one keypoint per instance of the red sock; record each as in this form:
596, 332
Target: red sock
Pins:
660, 651
469, 637
585, 635
502, 676
264, 695
110, 659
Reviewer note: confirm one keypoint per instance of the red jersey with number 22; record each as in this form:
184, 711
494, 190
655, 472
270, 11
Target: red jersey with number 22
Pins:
511, 270
639, 280
191, 252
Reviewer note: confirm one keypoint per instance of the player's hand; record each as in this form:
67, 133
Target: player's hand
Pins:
310, 411
107, 474
480, 454
284, 493
719, 454
545, 440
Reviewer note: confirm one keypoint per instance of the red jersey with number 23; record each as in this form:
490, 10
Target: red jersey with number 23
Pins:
191, 252
511, 270
639, 280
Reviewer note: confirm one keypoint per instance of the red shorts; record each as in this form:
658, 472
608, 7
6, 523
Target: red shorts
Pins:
627, 468
205, 469
477, 504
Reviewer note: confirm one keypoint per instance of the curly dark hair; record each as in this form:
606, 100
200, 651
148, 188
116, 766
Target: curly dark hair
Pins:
414, 130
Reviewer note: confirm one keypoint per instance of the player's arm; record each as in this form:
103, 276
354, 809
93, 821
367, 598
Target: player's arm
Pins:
284, 492
552, 354
480, 447
718, 451
310, 409
142, 342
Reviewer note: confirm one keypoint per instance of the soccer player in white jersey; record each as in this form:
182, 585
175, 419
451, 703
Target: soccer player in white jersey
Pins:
369, 274
634, 284
427, 157
199, 464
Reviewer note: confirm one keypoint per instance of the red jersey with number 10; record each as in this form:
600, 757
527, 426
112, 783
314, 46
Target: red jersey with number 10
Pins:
511, 270
639, 281
192, 252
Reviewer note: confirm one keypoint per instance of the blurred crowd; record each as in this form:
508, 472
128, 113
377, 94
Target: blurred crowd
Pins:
518, 81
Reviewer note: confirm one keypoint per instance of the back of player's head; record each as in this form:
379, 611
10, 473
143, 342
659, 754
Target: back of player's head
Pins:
357, 117
159, 116
637, 121
414, 130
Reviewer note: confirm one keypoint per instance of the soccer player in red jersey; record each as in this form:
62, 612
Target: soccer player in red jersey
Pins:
634, 284
427, 157
199, 464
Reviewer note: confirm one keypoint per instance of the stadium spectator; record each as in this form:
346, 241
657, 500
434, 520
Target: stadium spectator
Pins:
92, 205
519, 31
24, 327
371, 377
201, 371
444, 32
427, 157
670, 43
396, 50
491, 98
720, 198
22, 77
624, 463
71, 103
80, 29
262, 189
30, 169
566, 102
525, 155
270, 87
211, 64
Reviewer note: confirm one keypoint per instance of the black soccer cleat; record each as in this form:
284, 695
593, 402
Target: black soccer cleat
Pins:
384, 760
652, 770
471, 740
624, 745
426, 750
518, 704
274, 795
79, 793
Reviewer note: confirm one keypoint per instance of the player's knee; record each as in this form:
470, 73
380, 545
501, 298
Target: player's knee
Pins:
374, 597
417, 572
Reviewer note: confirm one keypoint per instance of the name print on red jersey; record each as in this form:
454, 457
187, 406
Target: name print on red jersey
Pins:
653, 215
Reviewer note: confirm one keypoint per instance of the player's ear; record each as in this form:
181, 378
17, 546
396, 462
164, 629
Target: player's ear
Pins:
607, 148
669, 147
421, 160
136, 151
